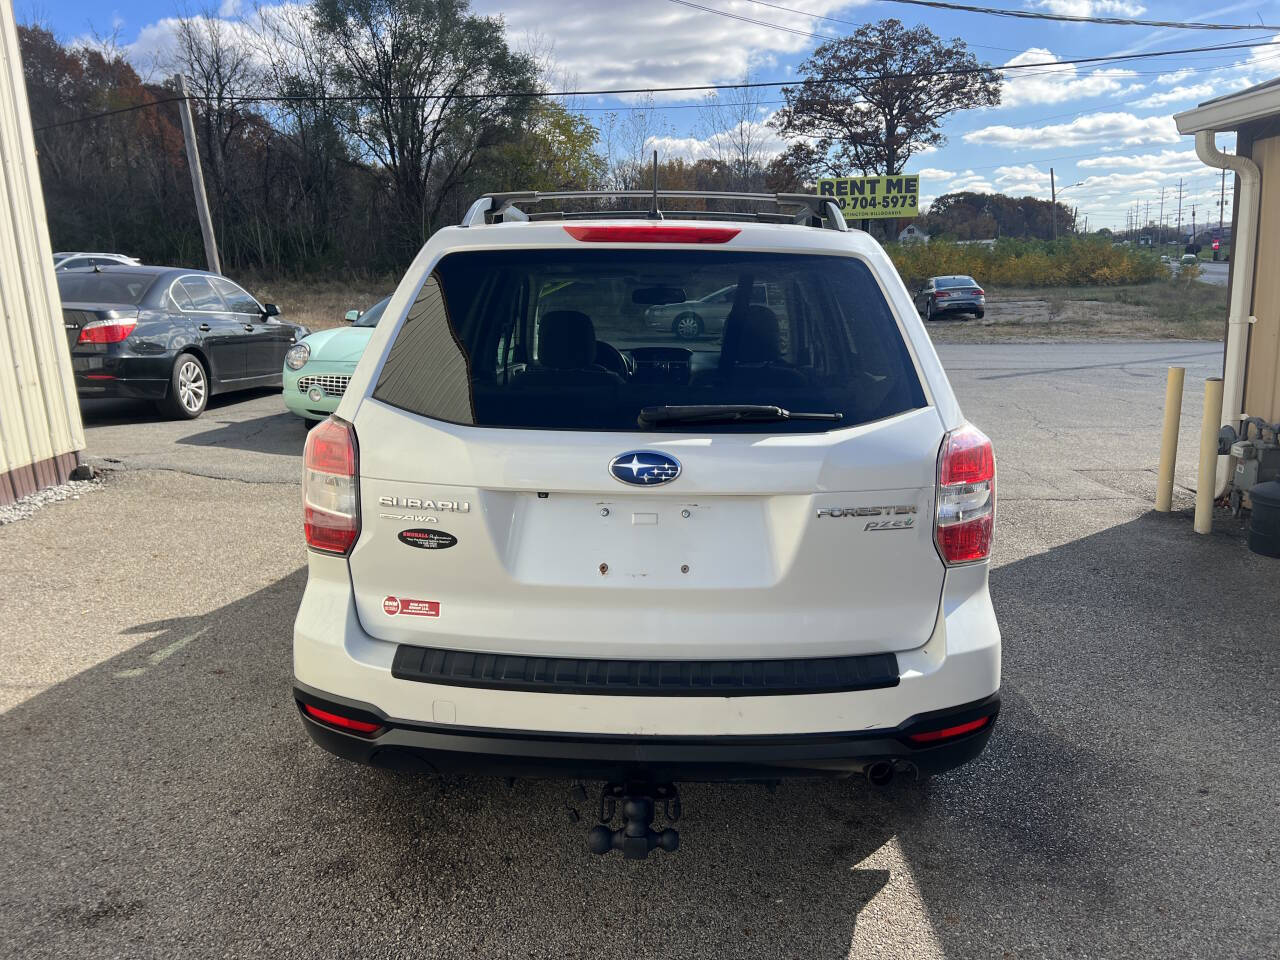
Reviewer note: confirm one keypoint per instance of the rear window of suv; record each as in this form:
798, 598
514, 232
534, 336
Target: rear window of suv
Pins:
586, 339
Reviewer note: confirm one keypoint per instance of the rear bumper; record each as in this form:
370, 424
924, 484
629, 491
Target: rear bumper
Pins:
448, 749
105, 375
433, 725
943, 306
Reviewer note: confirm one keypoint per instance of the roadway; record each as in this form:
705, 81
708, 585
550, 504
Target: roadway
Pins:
164, 802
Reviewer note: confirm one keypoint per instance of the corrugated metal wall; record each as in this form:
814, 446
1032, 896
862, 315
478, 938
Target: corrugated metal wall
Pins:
1262, 373
40, 429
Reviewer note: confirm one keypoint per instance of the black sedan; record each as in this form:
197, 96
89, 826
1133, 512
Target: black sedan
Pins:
955, 294
169, 335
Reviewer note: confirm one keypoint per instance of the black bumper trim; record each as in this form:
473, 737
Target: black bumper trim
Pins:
645, 678
452, 749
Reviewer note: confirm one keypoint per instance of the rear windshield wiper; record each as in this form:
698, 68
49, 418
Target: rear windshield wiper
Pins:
725, 413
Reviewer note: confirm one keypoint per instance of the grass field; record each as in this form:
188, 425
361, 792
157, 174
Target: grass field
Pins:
1186, 311
1148, 311
319, 304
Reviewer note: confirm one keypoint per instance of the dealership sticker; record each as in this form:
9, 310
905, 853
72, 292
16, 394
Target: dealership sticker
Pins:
408, 607
427, 539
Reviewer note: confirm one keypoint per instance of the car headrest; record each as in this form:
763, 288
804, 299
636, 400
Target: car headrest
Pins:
566, 340
751, 336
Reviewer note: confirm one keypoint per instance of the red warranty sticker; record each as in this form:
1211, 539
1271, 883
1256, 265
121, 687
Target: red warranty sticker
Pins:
409, 607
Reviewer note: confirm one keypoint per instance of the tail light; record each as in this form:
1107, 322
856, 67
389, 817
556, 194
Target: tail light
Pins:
350, 724
949, 733
106, 331
653, 234
966, 497
979, 291
940, 295
330, 487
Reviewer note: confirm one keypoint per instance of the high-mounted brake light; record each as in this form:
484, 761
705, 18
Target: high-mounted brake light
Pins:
948, 733
363, 727
655, 233
106, 331
966, 497
330, 488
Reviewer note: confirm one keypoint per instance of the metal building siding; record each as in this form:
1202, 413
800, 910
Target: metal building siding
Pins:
40, 429
1262, 371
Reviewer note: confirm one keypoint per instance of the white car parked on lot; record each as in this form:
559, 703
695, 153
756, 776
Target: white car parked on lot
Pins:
545, 540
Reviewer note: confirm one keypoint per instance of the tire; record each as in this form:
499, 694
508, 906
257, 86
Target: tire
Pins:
979, 314
188, 389
928, 311
687, 326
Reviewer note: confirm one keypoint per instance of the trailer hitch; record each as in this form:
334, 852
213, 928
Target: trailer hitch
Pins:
636, 837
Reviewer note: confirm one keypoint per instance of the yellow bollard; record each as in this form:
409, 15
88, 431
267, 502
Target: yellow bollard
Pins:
1169, 439
1208, 476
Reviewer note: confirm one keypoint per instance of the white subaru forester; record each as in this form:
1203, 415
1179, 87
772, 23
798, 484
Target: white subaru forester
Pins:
546, 539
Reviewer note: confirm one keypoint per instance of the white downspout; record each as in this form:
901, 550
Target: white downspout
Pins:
1243, 250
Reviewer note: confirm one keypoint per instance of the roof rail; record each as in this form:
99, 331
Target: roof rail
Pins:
814, 210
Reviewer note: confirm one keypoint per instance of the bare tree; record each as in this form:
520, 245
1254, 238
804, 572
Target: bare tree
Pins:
730, 123
217, 59
630, 137
425, 73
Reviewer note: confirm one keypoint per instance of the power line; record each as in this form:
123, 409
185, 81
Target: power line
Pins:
690, 88
1033, 15
108, 113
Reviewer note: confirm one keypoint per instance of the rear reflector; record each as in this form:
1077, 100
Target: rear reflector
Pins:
966, 497
947, 733
330, 488
106, 331
657, 233
363, 727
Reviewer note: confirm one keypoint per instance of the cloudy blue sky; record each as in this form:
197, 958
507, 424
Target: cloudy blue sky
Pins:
1106, 130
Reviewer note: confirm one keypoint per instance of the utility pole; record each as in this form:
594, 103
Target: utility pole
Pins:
1053, 210
1179, 235
1222, 204
197, 177
1162, 214
1193, 224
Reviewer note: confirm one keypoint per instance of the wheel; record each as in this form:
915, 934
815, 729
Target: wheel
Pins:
928, 311
188, 389
687, 326
979, 314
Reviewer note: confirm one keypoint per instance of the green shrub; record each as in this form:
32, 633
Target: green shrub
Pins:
1028, 263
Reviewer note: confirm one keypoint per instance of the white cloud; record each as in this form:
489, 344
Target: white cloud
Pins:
696, 148
1164, 160
933, 173
1197, 92
1089, 8
971, 182
1166, 79
624, 45
1119, 129
1023, 180
1056, 82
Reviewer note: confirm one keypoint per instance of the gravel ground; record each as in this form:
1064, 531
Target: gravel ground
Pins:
71, 490
164, 801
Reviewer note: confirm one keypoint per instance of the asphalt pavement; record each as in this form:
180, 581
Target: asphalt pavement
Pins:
163, 800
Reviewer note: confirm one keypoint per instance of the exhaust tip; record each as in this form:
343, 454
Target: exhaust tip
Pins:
879, 773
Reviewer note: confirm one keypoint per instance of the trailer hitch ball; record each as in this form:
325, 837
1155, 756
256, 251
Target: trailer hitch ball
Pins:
636, 837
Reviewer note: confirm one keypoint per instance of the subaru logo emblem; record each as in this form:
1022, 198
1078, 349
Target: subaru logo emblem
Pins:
644, 468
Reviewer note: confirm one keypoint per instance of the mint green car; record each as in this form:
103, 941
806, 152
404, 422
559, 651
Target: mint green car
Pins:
318, 368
